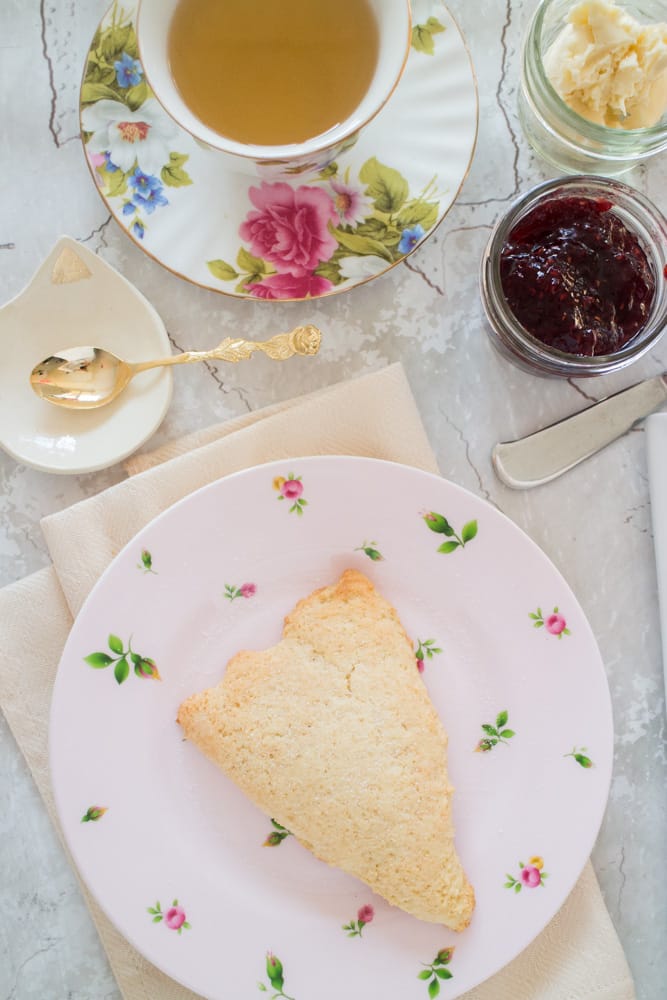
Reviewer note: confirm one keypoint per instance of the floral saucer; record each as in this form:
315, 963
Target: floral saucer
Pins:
266, 237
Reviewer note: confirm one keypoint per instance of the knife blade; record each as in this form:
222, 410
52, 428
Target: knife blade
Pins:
540, 457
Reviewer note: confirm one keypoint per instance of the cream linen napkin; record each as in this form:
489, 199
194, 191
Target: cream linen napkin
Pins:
577, 957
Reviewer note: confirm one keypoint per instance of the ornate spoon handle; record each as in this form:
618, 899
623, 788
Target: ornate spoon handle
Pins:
302, 340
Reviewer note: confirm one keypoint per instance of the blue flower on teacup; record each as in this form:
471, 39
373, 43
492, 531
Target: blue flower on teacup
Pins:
128, 71
140, 138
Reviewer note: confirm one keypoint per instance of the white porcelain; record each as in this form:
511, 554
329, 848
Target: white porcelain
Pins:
497, 631
308, 236
76, 299
393, 20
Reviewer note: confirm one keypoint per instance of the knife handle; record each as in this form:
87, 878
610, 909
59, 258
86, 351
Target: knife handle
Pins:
541, 457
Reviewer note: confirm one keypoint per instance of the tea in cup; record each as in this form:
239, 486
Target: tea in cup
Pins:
287, 84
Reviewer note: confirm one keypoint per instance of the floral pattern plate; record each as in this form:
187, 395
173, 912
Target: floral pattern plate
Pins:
268, 237
217, 894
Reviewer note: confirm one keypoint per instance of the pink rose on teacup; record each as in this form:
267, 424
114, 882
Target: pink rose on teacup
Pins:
290, 227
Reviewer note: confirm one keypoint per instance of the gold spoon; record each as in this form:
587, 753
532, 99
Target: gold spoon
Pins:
82, 378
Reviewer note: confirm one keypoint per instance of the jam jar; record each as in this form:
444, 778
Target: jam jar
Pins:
566, 139
574, 277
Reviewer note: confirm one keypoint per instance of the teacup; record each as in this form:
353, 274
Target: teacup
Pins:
393, 23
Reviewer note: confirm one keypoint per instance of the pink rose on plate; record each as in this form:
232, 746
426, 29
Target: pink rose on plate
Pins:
248, 589
555, 624
290, 227
365, 914
292, 489
530, 876
290, 286
174, 918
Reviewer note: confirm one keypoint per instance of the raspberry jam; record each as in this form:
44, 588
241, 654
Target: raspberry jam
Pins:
576, 277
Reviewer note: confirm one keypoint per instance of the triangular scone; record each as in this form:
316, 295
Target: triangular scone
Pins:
331, 732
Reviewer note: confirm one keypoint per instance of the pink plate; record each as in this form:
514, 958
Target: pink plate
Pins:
177, 856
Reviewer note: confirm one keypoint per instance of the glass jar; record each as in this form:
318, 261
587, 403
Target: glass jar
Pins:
559, 134
514, 342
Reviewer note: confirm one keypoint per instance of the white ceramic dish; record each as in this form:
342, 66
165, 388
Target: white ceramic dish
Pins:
281, 235
76, 299
170, 845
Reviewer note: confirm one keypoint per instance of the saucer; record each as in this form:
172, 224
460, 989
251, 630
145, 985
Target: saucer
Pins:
76, 299
267, 237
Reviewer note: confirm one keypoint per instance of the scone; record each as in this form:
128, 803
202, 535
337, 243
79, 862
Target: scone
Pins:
331, 732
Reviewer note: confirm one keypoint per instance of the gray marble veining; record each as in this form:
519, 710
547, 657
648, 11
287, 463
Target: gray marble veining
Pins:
593, 523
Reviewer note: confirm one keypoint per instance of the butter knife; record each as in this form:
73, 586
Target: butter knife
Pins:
541, 457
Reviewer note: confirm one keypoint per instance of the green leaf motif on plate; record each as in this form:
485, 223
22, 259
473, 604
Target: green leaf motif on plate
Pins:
276, 977
437, 971
277, 835
361, 246
91, 92
144, 666
222, 270
121, 670
93, 814
441, 526
146, 563
173, 174
426, 650
371, 550
98, 660
495, 734
422, 35
386, 186
580, 755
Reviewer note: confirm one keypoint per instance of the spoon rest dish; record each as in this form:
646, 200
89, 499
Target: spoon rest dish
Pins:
73, 298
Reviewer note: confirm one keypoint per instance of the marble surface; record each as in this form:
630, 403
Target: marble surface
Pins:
594, 523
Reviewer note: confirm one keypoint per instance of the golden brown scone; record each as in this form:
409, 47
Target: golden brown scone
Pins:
331, 732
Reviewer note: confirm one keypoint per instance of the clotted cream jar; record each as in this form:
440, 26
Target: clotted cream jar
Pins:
566, 138
574, 277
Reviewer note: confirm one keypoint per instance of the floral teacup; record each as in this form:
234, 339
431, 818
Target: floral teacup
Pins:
393, 19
